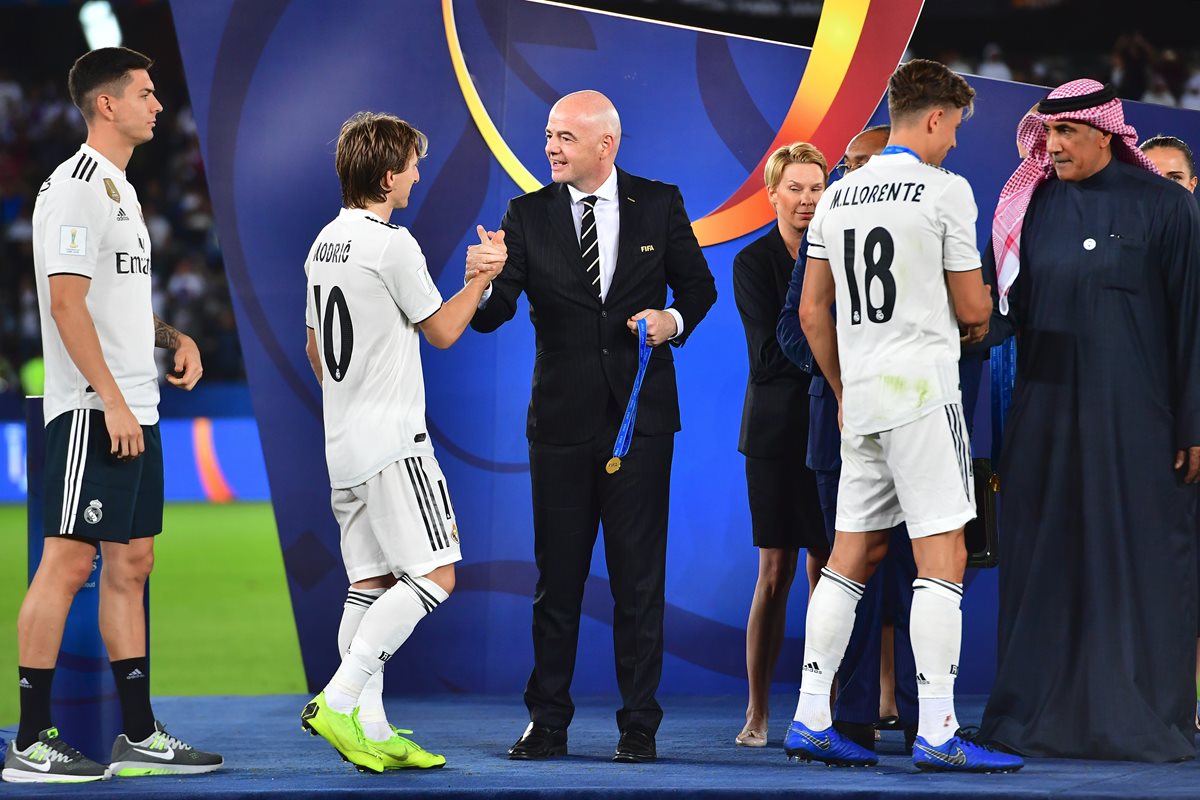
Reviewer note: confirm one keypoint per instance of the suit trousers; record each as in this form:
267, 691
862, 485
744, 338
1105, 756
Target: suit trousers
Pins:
572, 497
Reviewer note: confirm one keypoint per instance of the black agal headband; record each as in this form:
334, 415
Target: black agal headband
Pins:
1064, 105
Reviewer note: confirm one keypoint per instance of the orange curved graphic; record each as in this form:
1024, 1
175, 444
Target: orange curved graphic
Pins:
857, 46
216, 488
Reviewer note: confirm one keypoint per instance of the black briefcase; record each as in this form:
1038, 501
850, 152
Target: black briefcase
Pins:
980, 533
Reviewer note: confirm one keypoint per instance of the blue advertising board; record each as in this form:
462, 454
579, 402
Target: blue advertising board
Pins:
272, 81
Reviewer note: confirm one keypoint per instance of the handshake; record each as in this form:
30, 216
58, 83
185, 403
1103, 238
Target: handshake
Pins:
486, 260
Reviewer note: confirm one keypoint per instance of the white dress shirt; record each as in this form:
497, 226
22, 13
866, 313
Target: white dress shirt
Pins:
608, 225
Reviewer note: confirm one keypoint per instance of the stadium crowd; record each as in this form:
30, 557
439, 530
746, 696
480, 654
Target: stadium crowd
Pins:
1136, 67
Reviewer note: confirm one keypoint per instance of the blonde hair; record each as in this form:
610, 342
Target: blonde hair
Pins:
795, 153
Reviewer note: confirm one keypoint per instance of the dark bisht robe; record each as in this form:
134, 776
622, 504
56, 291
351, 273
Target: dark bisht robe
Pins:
1098, 594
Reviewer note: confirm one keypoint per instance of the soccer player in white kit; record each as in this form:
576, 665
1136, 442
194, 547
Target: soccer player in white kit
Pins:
893, 244
103, 486
369, 292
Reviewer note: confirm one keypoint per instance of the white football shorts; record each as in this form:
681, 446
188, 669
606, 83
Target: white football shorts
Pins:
919, 474
399, 521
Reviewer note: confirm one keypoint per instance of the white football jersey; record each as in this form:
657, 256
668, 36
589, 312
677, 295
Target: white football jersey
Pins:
890, 230
368, 288
87, 221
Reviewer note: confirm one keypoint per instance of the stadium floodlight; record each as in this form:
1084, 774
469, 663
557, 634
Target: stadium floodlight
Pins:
100, 26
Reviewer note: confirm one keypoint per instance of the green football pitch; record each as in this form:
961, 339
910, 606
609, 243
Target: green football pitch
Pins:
221, 619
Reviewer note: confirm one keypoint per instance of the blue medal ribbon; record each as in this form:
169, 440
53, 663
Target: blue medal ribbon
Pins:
893, 149
625, 436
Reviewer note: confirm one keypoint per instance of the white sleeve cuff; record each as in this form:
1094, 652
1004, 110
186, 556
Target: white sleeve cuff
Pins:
486, 294
678, 322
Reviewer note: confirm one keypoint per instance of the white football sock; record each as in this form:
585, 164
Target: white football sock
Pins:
935, 627
371, 713
383, 629
826, 634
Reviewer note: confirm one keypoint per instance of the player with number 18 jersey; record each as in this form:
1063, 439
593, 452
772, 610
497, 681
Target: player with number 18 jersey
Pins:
889, 231
894, 243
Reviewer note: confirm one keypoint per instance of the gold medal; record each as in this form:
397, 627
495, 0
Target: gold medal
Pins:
613, 465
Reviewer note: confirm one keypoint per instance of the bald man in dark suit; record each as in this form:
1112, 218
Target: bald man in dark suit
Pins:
596, 251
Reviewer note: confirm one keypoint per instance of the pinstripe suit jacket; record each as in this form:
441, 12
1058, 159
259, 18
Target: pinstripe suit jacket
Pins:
585, 354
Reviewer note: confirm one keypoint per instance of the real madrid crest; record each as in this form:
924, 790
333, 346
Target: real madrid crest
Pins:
93, 513
111, 188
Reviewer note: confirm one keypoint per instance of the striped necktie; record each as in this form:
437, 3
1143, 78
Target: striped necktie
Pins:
588, 243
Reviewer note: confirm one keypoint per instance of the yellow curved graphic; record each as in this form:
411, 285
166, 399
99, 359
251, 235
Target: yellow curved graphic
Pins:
495, 142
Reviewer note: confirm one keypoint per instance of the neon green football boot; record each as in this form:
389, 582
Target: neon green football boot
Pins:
344, 732
401, 753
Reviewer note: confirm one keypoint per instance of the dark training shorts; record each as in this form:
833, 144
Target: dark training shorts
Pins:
89, 493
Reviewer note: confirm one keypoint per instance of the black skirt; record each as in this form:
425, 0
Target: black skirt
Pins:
785, 510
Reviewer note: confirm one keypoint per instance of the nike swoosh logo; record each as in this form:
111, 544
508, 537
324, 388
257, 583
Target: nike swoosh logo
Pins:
40, 766
958, 759
823, 744
165, 755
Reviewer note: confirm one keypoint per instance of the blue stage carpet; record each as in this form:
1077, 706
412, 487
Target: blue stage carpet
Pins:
268, 756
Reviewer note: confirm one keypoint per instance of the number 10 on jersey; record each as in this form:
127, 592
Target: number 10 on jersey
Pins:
878, 253
336, 362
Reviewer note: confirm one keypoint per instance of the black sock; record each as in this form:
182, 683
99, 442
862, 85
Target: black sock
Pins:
35, 704
133, 687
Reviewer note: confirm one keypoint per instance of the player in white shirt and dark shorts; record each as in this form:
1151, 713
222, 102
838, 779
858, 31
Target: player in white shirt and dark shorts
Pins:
104, 469
893, 245
369, 293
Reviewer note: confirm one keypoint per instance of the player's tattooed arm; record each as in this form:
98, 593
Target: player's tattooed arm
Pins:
188, 368
164, 335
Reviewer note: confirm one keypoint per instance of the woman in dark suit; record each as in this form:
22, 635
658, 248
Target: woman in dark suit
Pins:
784, 508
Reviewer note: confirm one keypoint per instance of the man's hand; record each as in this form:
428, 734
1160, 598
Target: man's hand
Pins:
970, 334
488, 257
660, 326
1189, 459
187, 364
124, 432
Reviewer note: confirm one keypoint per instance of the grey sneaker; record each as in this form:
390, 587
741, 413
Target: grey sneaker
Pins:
159, 754
50, 760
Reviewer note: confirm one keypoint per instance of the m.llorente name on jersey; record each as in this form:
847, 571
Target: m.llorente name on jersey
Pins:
909, 192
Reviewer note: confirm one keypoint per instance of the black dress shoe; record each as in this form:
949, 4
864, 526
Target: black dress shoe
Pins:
636, 746
539, 742
910, 736
888, 723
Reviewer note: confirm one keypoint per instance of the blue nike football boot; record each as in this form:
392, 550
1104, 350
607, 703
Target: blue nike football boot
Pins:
827, 746
961, 754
